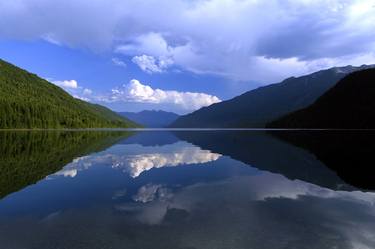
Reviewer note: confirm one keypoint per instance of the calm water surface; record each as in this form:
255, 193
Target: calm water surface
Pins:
183, 189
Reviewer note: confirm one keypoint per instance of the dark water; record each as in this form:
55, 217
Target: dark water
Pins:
186, 189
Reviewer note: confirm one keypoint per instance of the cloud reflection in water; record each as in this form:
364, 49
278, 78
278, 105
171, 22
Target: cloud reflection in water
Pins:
123, 157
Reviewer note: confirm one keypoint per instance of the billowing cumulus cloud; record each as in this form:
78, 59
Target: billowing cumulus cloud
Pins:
149, 64
238, 39
66, 83
135, 91
157, 57
74, 89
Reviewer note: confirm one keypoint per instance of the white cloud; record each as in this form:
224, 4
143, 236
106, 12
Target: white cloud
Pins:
81, 97
149, 64
74, 89
151, 43
223, 37
118, 62
150, 52
135, 91
66, 83
87, 91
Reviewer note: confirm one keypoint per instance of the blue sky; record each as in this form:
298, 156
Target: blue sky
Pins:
100, 73
181, 55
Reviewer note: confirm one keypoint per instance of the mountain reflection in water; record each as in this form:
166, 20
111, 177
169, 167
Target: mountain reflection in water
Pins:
185, 189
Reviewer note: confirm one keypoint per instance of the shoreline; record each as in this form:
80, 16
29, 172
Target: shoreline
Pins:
184, 129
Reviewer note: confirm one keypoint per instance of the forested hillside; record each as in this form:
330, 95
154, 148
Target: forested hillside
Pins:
28, 101
348, 105
256, 108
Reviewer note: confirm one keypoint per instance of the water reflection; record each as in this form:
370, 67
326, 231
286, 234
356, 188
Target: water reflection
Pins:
27, 157
134, 159
192, 190
349, 153
266, 152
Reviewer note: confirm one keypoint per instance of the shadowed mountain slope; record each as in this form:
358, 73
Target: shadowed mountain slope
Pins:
258, 107
348, 105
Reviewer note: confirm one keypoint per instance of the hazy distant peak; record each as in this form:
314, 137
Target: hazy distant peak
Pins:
151, 118
155, 111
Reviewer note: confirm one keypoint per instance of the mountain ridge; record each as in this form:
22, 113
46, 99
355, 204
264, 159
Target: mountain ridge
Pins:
256, 108
347, 105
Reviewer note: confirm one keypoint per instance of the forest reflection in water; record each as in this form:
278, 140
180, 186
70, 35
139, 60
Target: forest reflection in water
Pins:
185, 189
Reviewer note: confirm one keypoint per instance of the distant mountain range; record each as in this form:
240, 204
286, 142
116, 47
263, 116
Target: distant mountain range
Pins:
350, 104
258, 107
28, 101
151, 119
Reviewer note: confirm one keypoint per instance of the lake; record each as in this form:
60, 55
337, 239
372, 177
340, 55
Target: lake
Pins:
187, 189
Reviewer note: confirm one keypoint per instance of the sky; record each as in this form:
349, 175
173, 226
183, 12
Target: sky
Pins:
181, 55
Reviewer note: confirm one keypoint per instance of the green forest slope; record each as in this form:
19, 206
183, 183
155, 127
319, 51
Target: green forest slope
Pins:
28, 101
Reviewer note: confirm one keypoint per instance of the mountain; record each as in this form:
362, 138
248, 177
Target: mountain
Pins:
350, 104
151, 119
258, 107
28, 101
